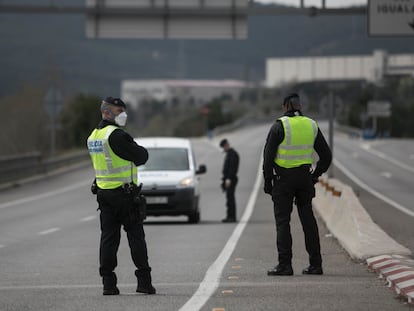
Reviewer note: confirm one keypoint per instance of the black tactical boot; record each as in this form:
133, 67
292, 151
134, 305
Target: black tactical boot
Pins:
144, 282
281, 270
109, 285
313, 270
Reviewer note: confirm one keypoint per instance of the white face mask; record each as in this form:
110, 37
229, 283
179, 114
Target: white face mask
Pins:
121, 119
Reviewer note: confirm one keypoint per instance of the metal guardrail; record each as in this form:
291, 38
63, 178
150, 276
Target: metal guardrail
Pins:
351, 131
23, 166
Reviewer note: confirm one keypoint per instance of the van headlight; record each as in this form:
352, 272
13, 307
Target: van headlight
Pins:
186, 182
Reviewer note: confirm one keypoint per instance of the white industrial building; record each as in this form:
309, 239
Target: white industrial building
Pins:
371, 68
195, 91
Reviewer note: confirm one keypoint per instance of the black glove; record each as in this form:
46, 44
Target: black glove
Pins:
222, 186
268, 186
315, 179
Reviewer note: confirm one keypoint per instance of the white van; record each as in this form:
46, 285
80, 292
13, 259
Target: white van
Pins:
169, 179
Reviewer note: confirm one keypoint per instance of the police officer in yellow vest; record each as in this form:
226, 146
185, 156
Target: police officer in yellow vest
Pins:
115, 156
287, 170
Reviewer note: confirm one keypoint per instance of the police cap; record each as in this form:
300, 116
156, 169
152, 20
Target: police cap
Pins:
114, 101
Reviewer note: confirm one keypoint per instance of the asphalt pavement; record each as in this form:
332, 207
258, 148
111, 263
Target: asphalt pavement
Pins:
49, 238
345, 285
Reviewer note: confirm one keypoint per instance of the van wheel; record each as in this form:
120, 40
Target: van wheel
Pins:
194, 218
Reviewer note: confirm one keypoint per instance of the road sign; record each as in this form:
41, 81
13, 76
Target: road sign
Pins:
391, 17
53, 102
338, 105
379, 109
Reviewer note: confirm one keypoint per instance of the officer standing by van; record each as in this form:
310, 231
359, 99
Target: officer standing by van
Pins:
115, 156
288, 178
230, 179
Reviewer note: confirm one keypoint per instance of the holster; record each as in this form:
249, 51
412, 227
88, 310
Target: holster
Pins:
139, 203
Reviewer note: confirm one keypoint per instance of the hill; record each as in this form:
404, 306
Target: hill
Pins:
33, 46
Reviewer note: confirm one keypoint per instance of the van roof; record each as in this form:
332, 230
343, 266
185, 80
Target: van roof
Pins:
163, 142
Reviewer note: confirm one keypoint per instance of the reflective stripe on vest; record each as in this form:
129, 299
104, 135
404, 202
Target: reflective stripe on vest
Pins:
111, 171
296, 148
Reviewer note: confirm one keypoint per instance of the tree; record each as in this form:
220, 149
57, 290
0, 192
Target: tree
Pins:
79, 117
24, 124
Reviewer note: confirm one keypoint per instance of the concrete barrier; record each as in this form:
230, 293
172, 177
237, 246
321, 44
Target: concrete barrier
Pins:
350, 224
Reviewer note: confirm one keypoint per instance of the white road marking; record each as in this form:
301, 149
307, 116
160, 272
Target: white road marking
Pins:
372, 191
48, 231
383, 156
88, 218
386, 174
211, 279
45, 194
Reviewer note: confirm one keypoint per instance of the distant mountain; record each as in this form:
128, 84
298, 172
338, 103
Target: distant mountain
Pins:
31, 46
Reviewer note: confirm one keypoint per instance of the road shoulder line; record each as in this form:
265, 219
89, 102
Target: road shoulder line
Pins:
211, 279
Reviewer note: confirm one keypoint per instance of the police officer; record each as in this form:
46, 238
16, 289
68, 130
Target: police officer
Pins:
288, 178
115, 156
229, 179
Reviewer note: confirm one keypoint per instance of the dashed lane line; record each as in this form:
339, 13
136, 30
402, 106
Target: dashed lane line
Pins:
45, 194
88, 218
48, 231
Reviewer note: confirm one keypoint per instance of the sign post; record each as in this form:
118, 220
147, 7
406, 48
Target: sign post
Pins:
391, 17
53, 106
333, 105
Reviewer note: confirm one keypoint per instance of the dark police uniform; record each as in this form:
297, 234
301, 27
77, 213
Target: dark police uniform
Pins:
118, 209
230, 169
289, 184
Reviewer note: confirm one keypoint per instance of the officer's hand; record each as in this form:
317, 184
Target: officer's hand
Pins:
227, 183
315, 179
268, 186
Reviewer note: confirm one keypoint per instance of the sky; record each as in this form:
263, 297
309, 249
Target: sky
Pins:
318, 3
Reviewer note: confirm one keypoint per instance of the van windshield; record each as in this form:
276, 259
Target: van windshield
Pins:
166, 159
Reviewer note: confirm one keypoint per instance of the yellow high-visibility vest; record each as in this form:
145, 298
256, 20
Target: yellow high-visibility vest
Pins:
111, 171
297, 147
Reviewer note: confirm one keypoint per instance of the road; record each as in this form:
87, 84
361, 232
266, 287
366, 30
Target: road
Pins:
49, 238
381, 172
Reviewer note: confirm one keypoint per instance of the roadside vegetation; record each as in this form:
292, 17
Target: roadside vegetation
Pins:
26, 126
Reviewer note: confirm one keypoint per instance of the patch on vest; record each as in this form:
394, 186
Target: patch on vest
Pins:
95, 146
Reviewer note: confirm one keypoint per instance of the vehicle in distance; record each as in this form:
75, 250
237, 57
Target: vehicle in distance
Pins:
169, 178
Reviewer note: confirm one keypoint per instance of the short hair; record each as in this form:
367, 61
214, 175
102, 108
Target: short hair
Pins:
293, 99
223, 142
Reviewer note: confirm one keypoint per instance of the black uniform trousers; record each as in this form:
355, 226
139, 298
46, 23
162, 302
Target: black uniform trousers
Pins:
289, 185
231, 199
117, 210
